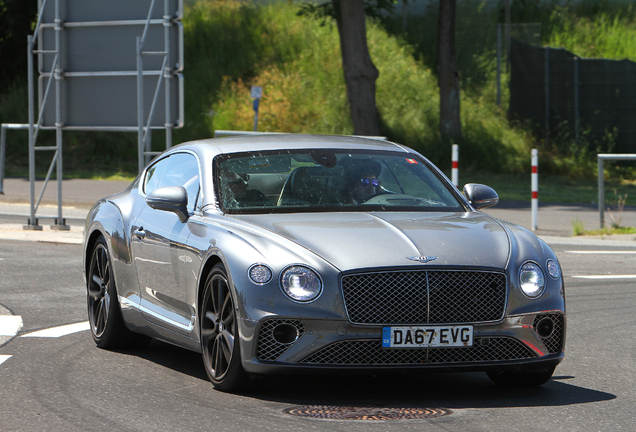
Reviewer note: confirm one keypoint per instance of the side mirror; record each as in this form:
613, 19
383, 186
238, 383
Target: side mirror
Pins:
173, 199
480, 196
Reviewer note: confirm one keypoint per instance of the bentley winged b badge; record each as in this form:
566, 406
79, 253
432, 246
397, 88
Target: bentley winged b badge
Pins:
422, 259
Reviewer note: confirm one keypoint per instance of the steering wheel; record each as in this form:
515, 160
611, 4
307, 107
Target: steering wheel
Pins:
399, 200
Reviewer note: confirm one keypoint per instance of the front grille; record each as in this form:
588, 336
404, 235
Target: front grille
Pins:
554, 343
370, 353
425, 297
268, 349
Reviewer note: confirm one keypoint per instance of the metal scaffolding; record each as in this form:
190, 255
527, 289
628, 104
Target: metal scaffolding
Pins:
69, 97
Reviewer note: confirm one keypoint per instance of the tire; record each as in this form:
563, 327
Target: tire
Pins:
104, 313
219, 334
521, 379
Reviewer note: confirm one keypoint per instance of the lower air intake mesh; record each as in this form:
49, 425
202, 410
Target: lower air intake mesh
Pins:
370, 353
268, 348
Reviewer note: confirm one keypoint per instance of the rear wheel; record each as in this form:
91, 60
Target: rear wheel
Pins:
104, 314
521, 379
219, 334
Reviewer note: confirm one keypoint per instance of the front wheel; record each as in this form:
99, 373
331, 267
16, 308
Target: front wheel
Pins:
104, 314
521, 379
219, 334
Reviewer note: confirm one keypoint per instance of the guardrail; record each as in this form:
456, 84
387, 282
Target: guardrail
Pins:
601, 180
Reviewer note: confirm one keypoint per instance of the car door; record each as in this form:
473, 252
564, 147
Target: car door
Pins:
159, 245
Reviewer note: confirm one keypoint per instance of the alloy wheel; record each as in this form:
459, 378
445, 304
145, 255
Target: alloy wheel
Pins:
218, 327
99, 290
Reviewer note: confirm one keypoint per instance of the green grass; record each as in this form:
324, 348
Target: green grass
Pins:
579, 230
608, 32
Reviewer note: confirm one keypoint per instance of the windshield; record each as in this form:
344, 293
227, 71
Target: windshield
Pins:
329, 180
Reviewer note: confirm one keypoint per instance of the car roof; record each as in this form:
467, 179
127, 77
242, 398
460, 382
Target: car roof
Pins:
248, 143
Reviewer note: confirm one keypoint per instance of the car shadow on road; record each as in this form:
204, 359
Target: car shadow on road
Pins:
440, 390
431, 390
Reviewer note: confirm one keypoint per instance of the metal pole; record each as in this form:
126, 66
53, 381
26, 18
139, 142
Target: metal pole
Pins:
455, 169
507, 18
60, 223
547, 94
601, 191
140, 106
601, 179
147, 145
255, 105
32, 223
404, 16
499, 65
256, 119
3, 146
577, 119
168, 73
535, 187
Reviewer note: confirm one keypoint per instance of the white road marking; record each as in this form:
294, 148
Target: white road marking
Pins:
4, 358
602, 252
64, 330
10, 325
606, 277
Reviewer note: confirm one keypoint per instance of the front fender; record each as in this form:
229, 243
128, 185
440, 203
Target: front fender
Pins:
238, 249
105, 219
525, 246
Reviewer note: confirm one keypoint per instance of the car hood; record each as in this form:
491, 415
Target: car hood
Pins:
364, 240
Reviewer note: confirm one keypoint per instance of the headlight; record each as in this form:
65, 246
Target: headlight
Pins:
301, 283
260, 274
531, 280
553, 269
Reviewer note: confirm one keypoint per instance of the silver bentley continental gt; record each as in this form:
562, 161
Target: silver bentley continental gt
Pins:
316, 254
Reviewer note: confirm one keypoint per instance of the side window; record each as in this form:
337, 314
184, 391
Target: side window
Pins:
180, 169
151, 182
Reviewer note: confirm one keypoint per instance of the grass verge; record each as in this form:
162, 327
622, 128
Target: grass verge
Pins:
579, 230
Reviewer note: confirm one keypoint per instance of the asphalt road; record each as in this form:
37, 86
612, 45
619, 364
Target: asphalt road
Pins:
65, 383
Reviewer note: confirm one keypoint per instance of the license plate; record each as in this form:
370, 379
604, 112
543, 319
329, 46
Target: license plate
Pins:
427, 337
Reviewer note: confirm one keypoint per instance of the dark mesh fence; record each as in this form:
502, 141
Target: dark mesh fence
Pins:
555, 89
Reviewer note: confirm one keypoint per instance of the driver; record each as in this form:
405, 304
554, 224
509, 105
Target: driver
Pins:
237, 193
361, 180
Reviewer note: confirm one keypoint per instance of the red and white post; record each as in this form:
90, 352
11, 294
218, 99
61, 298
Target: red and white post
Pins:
455, 170
535, 188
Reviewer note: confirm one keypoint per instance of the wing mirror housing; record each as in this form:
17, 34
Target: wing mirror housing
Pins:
480, 196
173, 199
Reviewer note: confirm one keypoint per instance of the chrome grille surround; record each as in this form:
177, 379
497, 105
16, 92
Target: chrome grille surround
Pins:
268, 349
425, 297
554, 343
369, 352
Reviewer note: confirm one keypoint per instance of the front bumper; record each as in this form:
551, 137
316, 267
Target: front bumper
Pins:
330, 345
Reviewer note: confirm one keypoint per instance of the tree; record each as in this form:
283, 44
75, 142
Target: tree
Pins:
359, 71
448, 76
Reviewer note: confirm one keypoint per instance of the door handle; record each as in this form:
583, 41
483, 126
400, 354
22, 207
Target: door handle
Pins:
140, 233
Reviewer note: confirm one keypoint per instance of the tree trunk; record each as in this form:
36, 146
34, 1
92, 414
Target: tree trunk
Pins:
359, 72
449, 116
